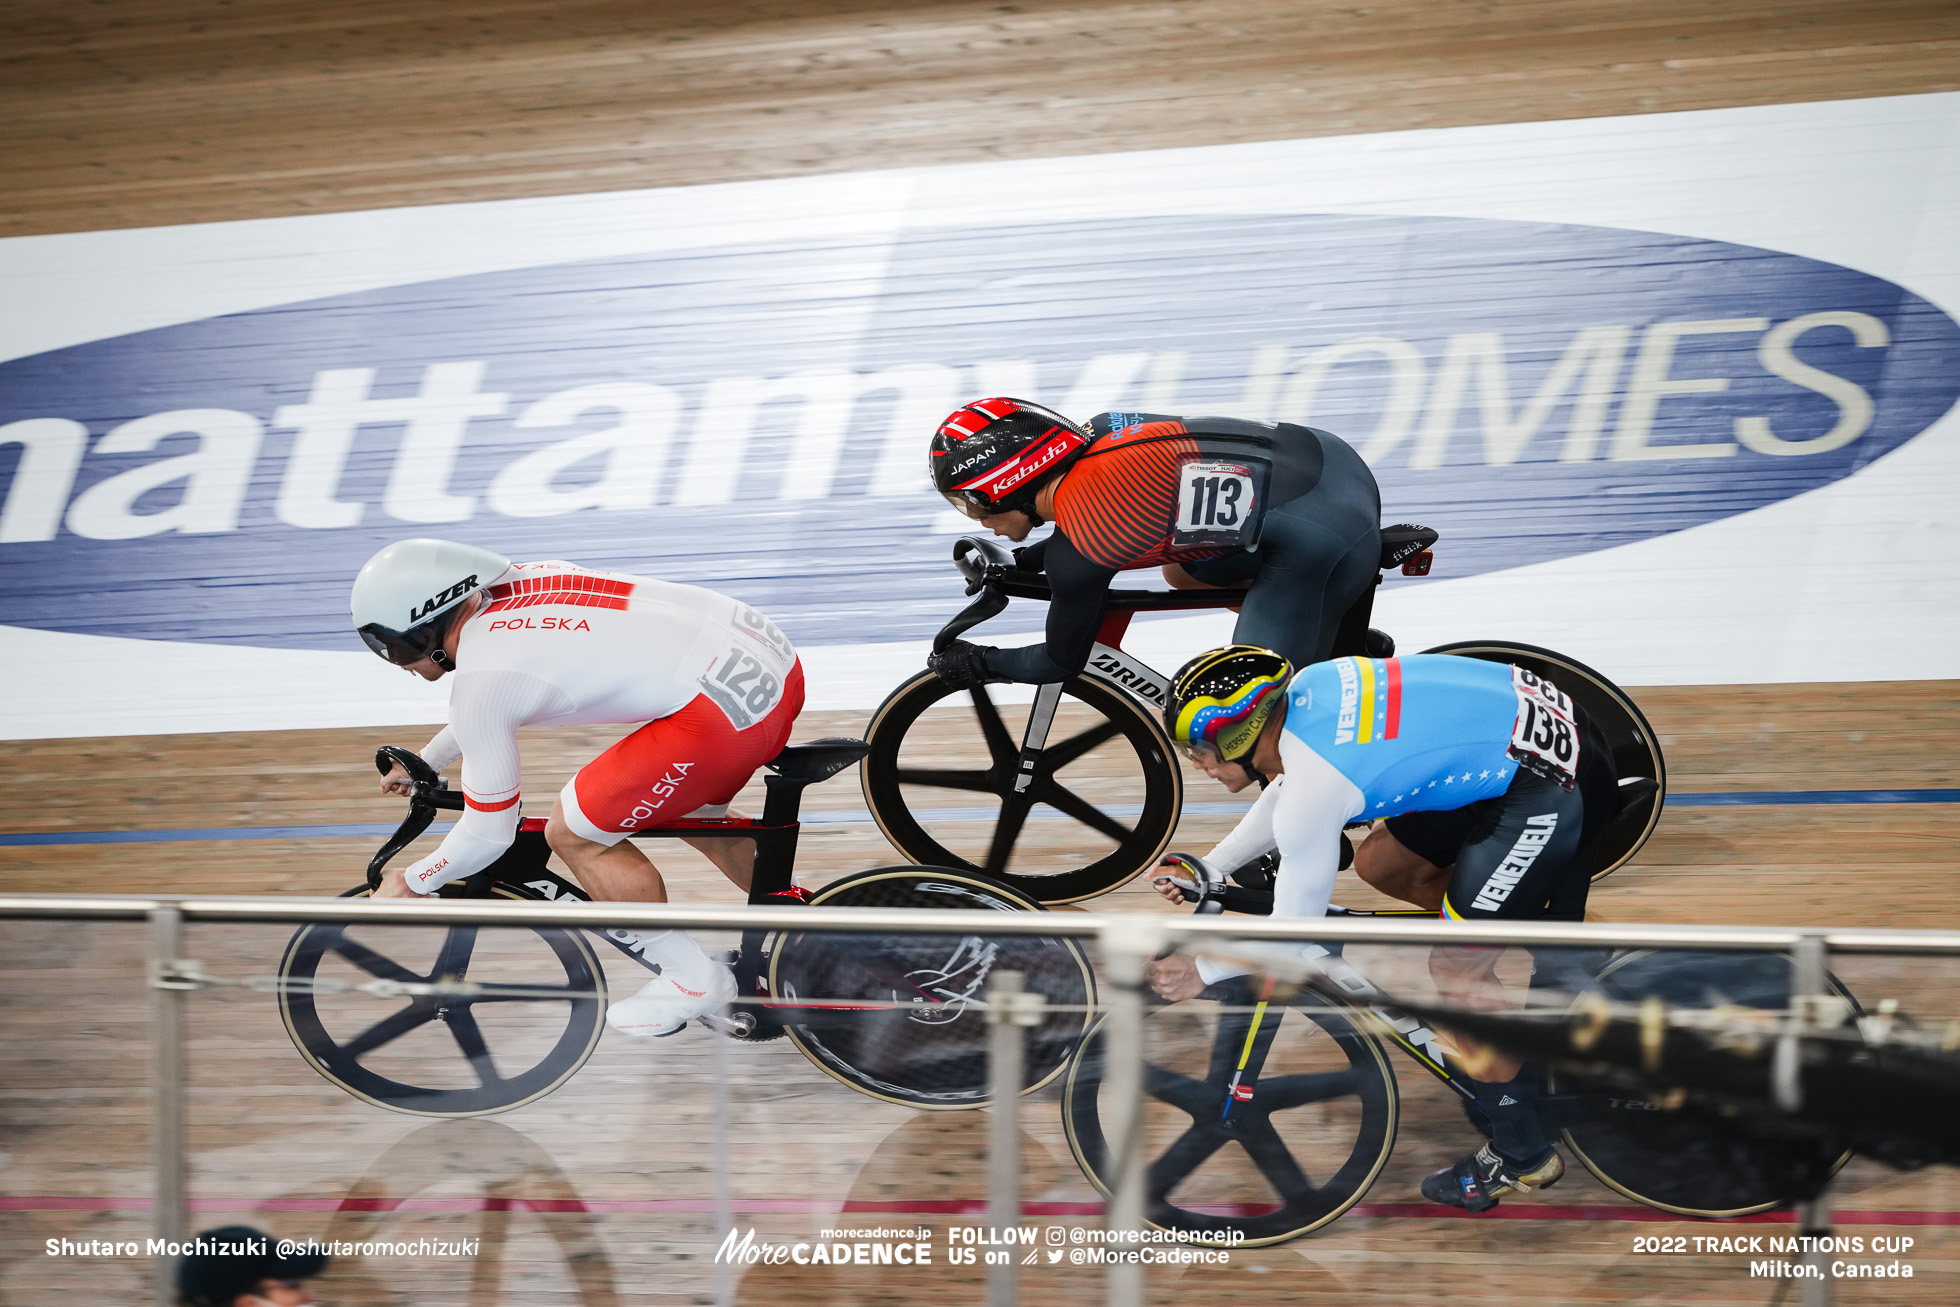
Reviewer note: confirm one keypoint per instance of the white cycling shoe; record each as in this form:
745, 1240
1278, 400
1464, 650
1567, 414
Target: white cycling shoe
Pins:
665, 1005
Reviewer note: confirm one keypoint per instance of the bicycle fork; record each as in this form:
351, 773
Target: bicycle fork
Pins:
1239, 1088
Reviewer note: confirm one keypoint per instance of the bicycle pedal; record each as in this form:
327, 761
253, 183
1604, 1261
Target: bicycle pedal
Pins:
737, 1024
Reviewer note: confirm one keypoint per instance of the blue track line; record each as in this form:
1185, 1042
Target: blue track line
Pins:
856, 817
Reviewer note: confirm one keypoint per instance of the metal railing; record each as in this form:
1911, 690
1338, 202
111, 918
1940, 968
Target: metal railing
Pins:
1126, 942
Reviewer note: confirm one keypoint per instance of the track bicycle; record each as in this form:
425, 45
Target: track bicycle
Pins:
1093, 749
1271, 1110
463, 1021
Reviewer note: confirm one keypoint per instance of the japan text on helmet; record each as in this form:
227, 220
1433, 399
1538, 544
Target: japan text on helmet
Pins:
1220, 700
992, 455
406, 596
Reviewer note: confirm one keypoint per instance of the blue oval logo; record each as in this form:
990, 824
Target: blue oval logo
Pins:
755, 418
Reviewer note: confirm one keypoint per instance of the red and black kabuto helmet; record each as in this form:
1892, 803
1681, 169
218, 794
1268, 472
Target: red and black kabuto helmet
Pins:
991, 456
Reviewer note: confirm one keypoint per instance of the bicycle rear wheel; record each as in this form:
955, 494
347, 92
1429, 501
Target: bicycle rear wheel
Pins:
915, 1041
1324, 1104
1107, 770
1636, 749
1691, 1163
487, 1047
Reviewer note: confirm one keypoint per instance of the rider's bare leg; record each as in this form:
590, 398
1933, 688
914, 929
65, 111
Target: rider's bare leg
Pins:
687, 983
620, 873
732, 856
1388, 865
1466, 977
617, 873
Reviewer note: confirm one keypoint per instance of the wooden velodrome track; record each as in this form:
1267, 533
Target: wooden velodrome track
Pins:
147, 113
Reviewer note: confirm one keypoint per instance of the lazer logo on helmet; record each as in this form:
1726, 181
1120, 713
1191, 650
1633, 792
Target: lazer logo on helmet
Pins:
462, 587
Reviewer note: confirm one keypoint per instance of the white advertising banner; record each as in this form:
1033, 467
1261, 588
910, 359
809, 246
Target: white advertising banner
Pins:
1676, 390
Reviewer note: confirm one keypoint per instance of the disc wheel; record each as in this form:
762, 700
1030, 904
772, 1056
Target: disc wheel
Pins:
1636, 749
1107, 790
1302, 1149
914, 1041
1693, 1163
497, 1045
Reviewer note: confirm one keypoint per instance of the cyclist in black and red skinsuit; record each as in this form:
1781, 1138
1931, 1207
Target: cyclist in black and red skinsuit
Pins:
1222, 502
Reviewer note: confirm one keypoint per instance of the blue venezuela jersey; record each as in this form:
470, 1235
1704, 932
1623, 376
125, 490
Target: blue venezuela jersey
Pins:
1416, 734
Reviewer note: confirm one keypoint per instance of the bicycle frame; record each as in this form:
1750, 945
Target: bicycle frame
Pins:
775, 834
1344, 983
995, 582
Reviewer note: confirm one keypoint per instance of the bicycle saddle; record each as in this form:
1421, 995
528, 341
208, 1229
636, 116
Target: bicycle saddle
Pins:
1404, 541
818, 760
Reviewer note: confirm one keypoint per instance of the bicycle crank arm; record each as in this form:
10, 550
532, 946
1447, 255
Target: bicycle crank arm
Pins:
1041, 717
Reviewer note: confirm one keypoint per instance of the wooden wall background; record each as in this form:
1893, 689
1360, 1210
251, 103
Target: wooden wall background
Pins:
130, 113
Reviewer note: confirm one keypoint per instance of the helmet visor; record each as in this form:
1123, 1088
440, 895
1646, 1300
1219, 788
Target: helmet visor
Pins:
970, 503
403, 647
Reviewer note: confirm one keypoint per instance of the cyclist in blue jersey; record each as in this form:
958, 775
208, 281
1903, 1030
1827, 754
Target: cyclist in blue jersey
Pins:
1494, 755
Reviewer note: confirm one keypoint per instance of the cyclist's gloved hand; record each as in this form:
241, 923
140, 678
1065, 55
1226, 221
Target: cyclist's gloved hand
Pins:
962, 666
1186, 878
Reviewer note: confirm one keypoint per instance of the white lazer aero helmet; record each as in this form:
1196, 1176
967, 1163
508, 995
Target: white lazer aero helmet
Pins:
406, 597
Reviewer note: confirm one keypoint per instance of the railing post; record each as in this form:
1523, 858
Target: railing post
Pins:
724, 1184
167, 1091
1010, 1012
1810, 980
1128, 945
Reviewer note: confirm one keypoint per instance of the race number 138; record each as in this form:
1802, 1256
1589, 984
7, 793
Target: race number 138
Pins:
1214, 502
1545, 737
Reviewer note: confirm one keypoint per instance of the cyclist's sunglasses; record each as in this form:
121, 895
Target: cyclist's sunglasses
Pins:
403, 647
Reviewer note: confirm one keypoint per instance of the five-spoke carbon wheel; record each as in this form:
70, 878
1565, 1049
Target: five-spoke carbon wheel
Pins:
1298, 1150
914, 1040
1636, 749
1692, 1163
946, 789
528, 1009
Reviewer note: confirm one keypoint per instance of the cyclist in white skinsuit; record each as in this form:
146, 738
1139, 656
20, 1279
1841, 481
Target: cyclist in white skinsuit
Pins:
553, 644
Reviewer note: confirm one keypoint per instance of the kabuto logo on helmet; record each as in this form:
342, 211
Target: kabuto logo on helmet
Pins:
996, 484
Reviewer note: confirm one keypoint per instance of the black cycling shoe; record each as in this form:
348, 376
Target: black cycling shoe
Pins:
1479, 1180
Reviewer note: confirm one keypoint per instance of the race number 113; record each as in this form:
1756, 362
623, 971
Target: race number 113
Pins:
1214, 503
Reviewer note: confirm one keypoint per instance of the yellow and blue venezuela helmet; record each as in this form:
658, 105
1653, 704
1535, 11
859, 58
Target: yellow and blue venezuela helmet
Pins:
1220, 700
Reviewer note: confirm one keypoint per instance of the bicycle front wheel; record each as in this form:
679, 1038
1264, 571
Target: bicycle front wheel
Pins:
1636, 749
1298, 1149
523, 1011
912, 1030
947, 791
